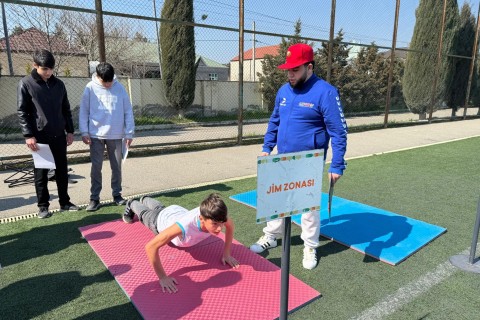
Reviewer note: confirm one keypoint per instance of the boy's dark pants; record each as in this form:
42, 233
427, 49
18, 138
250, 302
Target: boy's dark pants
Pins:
147, 212
58, 145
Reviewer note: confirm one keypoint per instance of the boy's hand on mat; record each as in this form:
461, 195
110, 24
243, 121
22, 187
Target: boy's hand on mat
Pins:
169, 284
231, 261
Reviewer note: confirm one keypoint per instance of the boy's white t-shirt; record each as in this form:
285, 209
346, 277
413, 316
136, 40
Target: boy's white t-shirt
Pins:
188, 221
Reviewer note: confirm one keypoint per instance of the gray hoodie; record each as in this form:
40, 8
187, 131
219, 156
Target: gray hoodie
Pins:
106, 113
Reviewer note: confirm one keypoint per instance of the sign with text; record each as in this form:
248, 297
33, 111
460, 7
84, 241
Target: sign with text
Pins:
289, 184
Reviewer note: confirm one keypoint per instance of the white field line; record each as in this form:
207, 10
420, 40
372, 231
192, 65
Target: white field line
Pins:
410, 148
408, 293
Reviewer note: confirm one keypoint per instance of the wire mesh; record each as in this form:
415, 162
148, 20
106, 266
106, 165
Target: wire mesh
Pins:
364, 30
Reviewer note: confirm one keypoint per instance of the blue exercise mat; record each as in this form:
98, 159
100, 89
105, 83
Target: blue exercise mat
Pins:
384, 235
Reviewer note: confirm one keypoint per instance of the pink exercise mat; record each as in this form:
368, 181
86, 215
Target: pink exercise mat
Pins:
207, 288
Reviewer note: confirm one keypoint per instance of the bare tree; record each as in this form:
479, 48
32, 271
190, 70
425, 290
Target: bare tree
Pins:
50, 36
121, 38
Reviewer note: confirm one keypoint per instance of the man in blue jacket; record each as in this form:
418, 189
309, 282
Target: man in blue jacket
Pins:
307, 115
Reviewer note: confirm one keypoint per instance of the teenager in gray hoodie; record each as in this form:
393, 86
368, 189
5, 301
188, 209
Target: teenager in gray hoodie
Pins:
105, 120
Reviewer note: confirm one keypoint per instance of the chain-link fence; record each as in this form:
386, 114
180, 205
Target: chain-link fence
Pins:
358, 62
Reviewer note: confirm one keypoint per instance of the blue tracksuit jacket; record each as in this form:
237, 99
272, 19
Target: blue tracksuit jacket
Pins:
306, 119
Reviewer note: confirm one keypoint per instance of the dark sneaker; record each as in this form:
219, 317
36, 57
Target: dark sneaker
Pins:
69, 207
128, 214
43, 213
120, 201
94, 205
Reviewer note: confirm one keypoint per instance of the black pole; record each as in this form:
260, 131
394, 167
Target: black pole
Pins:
469, 263
473, 247
287, 227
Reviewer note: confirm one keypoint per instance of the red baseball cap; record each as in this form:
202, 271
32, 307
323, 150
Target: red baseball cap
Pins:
297, 55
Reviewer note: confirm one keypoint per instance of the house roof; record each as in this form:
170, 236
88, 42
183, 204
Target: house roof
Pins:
400, 53
149, 52
33, 39
209, 63
260, 52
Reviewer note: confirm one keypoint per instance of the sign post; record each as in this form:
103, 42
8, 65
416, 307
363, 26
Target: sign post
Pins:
285, 266
288, 184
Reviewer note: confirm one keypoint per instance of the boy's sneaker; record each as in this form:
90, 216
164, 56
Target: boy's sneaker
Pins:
43, 213
119, 200
141, 199
94, 205
309, 258
69, 207
265, 242
128, 214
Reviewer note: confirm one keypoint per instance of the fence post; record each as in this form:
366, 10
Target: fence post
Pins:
240, 72
330, 43
439, 58
100, 31
392, 64
472, 65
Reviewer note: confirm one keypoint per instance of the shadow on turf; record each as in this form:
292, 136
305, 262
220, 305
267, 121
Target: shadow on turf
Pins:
122, 311
211, 188
32, 297
15, 202
46, 239
331, 247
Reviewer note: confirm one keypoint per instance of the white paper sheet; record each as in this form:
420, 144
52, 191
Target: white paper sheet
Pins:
124, 150
43, 158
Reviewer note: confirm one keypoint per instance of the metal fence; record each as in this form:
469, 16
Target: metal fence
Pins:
226, 36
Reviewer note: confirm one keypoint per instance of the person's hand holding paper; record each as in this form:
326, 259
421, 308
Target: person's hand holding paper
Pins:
43, 157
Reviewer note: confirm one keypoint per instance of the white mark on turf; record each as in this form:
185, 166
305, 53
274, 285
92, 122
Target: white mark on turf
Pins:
408, 293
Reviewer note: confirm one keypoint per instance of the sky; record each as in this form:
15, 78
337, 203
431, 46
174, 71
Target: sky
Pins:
361, 21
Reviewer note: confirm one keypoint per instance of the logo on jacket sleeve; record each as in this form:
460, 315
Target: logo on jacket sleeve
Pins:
283, 103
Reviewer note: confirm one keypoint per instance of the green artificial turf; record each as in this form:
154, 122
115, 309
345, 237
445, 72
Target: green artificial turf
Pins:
50, 272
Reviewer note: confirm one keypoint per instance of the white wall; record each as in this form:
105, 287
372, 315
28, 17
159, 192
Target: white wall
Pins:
248, 72
214, 95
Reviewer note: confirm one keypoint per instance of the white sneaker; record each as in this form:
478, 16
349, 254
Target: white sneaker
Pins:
309, 258
265, 242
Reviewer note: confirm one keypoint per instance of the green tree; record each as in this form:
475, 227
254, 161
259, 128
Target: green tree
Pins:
475, 89
340, 53
17, 30
462, 46
396, 96
366, 90
420, 66
273, 78
178, 54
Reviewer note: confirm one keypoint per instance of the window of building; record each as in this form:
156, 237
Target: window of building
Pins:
213, 76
